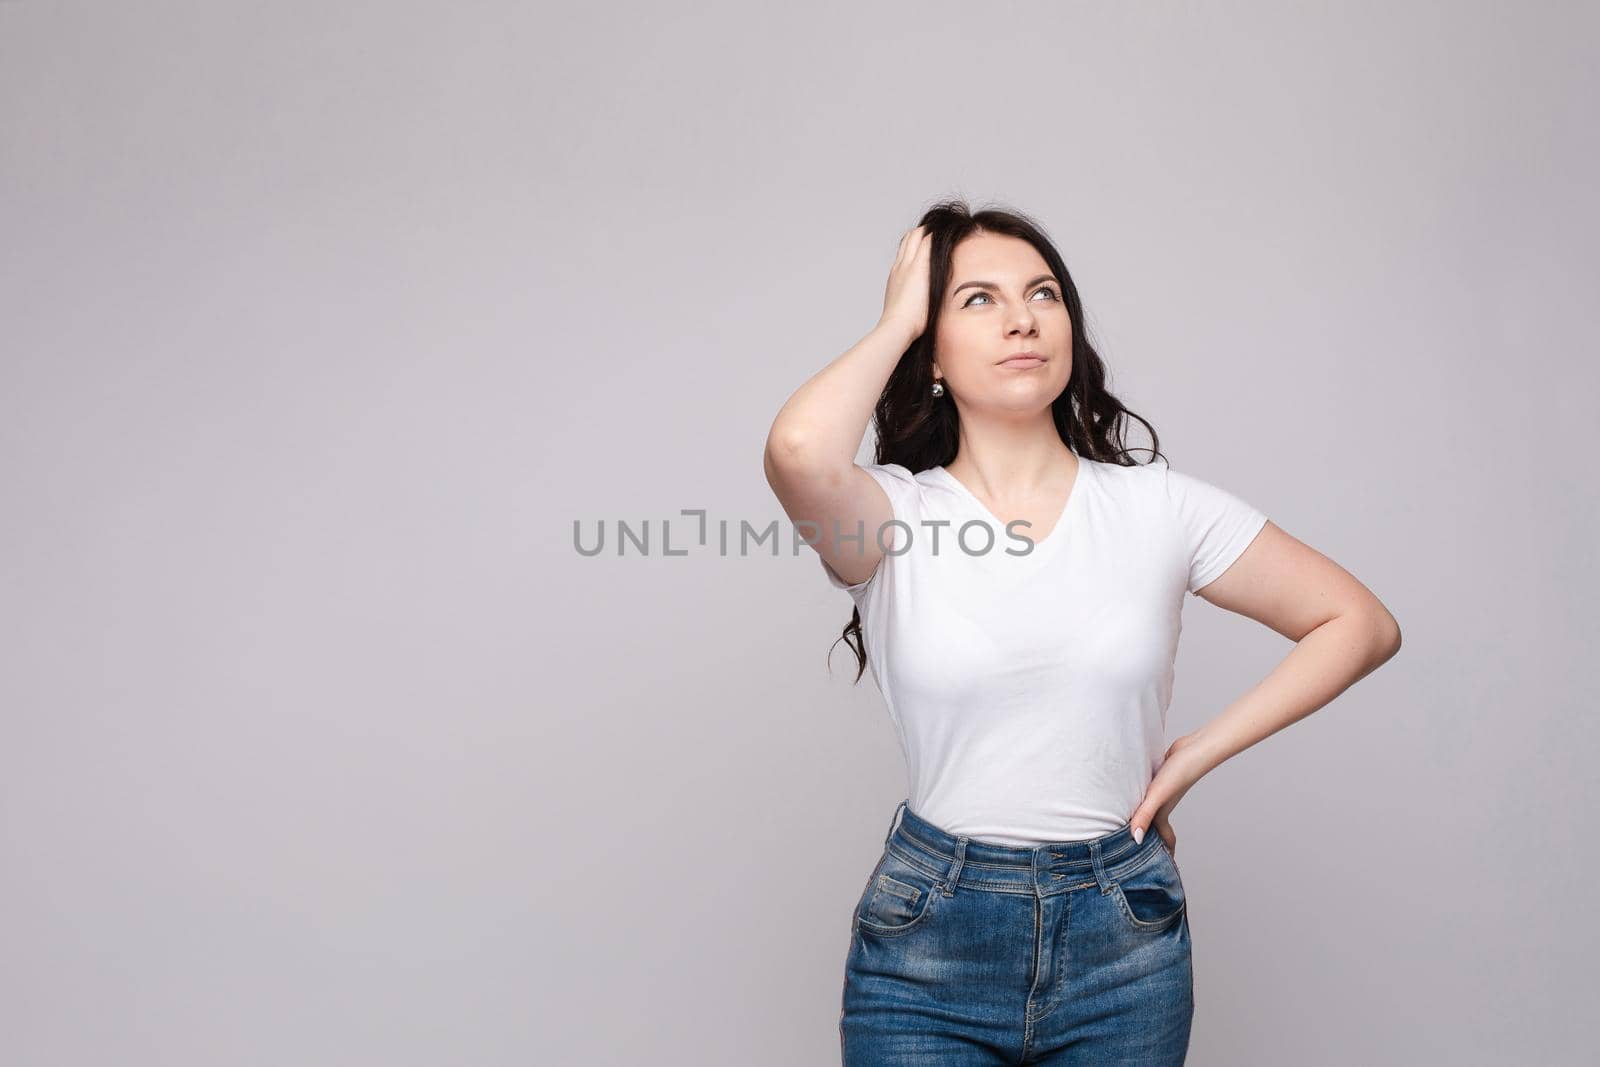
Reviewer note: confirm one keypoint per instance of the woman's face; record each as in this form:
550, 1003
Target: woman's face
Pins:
1001, 300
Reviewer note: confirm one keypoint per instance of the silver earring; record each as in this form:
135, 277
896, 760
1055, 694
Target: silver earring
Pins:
938, 387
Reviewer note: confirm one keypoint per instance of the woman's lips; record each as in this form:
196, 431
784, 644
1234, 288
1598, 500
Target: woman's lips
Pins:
1023, 362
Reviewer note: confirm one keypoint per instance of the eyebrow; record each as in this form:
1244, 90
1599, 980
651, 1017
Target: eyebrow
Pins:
992, 285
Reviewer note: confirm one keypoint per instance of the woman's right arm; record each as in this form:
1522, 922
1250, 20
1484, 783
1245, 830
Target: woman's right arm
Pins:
810, 453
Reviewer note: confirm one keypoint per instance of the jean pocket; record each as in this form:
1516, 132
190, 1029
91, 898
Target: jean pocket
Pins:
1151, 896
898, 899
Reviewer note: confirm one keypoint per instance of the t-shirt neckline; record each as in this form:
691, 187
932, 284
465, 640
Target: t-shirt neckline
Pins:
1057, 532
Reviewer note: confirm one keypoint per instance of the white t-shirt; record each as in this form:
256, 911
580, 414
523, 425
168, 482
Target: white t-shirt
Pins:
1030, 691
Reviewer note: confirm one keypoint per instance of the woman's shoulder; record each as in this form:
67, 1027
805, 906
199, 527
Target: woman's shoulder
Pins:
898, 471
1131, 477
899, 480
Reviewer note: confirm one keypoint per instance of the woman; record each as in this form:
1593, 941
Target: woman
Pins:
1019, 582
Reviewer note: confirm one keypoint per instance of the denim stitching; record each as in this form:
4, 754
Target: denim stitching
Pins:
1142, 924
933, 853
914, 862
1061, 948
879, 930
1058, 954
914, 858
1028, 1014
952, 878
911, 860
1134, 867
899, 888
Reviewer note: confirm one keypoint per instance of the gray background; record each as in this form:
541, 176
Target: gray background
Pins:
324, 322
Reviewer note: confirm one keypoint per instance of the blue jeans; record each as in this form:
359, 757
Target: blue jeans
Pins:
964, 952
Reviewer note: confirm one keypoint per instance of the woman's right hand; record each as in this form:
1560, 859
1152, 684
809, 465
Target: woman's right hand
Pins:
905, 298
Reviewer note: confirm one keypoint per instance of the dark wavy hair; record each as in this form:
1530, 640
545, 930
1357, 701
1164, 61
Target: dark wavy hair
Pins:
918, 430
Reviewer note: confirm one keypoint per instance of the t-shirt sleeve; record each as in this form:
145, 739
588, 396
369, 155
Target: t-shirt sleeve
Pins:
904, 493
1214, 526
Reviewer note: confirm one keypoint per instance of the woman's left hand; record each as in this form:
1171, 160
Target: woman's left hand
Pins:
1171, 782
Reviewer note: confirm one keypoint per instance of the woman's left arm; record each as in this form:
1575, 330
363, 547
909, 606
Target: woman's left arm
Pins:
1341, 631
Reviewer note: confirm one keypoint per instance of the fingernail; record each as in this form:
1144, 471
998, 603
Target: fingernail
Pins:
1138, 836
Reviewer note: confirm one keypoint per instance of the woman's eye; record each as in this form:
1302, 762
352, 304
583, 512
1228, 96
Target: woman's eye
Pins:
1041, 289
